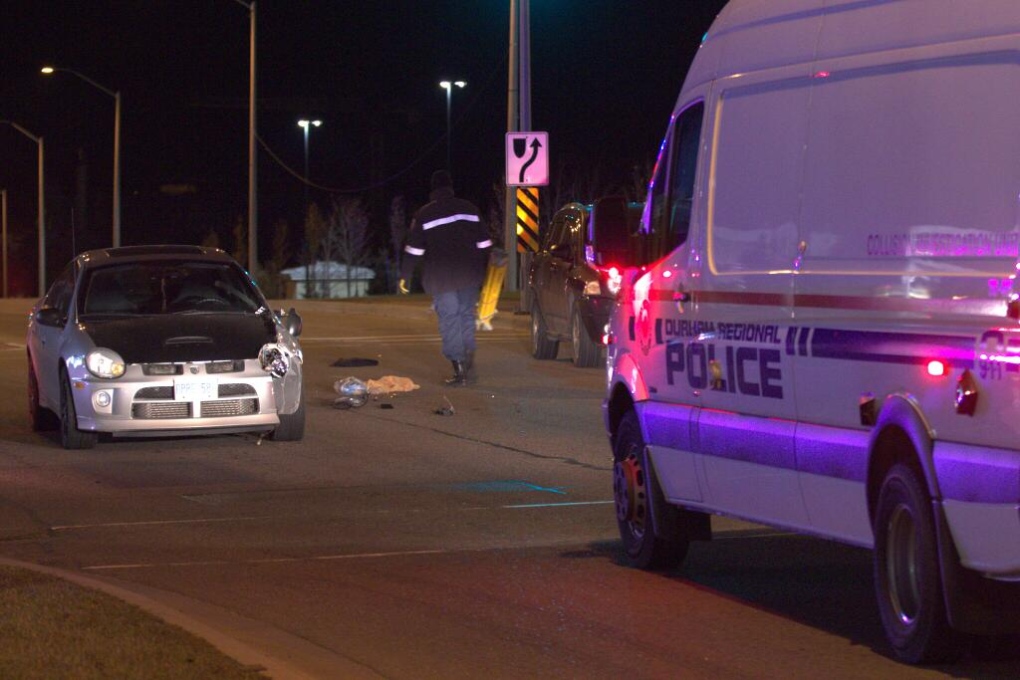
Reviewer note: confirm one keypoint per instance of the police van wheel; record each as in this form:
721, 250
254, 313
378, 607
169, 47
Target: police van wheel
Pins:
542, 346
586, 351
907, 579
638, 498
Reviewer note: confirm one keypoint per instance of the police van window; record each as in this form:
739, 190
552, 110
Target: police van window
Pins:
668, 207
685, 163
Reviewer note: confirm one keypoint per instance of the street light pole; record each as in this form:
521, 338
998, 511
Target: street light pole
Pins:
448, 86
42, 204
305, 124
253, 220
48, 70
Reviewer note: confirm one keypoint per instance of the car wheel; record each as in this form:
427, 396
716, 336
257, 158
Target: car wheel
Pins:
907, 578
542, 346
70, 436
586, 351
41, 418
638, 499
292, 425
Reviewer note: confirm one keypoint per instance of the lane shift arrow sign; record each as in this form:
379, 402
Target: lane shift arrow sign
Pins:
524, 168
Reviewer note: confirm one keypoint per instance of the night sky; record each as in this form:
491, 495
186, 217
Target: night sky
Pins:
605, 74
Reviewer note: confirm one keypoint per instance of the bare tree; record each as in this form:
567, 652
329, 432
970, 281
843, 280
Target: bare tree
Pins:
347, 235
398, 235
315, 233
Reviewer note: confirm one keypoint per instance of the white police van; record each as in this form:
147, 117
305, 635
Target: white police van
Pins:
830, 342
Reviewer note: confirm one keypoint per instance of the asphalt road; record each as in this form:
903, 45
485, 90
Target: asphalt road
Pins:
398, 543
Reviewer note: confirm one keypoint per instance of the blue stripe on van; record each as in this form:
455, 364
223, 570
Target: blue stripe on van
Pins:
975, 474
891, 348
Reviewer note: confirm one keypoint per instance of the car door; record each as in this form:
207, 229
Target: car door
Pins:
560, 263
46, 331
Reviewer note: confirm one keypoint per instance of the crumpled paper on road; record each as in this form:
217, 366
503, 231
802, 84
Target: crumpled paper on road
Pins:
389, 384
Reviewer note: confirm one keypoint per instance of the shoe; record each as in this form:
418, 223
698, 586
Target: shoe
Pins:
459, 378
470, 375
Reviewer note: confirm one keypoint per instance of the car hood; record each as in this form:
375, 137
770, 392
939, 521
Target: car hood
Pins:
183, 337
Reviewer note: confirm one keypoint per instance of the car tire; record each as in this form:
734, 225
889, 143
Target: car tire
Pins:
292, 425
908, 582
70, 436
638, 499
542, 346
41, 418
586, 351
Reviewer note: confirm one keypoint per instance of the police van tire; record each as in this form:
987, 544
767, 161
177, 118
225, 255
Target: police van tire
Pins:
70, 436
638, 498
542, 346
908, 583
586, 351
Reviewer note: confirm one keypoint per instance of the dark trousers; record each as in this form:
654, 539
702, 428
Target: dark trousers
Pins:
456, 311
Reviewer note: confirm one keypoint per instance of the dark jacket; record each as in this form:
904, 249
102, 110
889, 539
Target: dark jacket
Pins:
450, 239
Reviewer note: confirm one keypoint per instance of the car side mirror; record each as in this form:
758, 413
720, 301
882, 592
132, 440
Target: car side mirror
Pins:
292, 321
51, 316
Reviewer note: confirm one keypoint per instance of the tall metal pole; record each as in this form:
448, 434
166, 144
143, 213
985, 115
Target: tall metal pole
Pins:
42, 204
42, 221
306, 126
253, 225
448, 86
116, 169
3, 208
510, 201
49, 70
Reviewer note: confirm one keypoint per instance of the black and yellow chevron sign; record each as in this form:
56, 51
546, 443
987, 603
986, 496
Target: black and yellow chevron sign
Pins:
527, 219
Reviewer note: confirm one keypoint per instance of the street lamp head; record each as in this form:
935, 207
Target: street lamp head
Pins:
305, 123
48, 70
445, 84
460, 83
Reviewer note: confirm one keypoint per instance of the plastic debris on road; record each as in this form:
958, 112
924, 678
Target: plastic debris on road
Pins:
353, 393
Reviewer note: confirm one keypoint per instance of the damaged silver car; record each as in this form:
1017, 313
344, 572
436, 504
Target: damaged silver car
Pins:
155, 341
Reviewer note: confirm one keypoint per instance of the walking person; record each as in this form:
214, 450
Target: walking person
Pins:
449, 238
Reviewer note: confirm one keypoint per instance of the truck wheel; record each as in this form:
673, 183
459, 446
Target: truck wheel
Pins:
542, 346
586, 351
907, 578
638, 499
70, 436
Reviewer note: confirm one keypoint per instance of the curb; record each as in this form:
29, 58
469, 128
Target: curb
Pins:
286, 656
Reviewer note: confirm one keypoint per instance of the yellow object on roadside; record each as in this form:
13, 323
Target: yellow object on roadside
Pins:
491, 287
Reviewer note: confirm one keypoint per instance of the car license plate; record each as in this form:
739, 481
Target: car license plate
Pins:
192, 390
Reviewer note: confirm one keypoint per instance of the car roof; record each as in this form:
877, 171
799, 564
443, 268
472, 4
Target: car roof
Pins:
101, 256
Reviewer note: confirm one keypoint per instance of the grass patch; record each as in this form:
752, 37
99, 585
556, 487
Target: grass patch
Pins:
50, 628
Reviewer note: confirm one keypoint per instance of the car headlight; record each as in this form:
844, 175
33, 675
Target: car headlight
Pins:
275, 360
104, 363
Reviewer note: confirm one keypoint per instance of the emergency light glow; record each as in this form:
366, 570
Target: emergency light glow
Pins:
937, 368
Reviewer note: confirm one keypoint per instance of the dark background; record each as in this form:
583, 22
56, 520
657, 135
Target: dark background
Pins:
605, 74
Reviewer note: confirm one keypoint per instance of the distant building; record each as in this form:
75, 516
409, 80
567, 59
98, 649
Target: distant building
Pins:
328, 280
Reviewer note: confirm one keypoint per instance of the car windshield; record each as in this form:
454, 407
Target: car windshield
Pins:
146, 288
